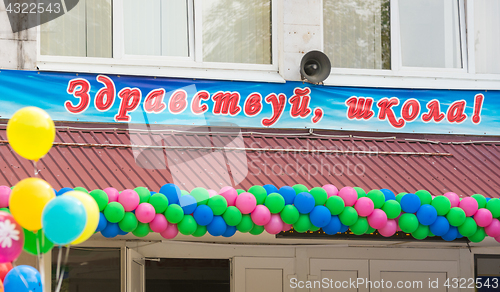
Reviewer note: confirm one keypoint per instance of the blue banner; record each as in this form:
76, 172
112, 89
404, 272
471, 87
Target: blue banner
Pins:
171, 101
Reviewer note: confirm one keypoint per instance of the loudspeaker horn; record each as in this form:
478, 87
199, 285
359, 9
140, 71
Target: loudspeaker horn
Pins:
315, 67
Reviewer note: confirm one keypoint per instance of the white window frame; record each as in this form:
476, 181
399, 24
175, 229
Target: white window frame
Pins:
184, 67
420, 77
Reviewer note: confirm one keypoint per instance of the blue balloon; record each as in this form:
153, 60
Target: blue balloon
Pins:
440, 227
172, 192
459, 235
23, 279
410, 203
487, 199
320, 216
188, 204
343, 228
217, 227
304, 202
121, 232
389, 195
152, 193
112, 230
203, 215
63, 219
427, 214
288, 194
270, 189
334, 226
63, 190
102, 222
230, 231
451, 234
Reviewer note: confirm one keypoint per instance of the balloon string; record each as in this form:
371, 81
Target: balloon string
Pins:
35, 169
62, 272
41, 257
58, 269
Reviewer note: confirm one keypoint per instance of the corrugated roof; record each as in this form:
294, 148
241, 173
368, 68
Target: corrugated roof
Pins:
111, 155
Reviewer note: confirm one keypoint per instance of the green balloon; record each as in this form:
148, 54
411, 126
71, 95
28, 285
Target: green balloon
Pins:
201, 195
478, 236
129, 222
442, 205
349, 216
494, 206
184, 192
289, 214
430, 233
456, 216
200, 231
408, 222
377, 197
114, 212
319, 195
246, 224
360, 227
174, 214
481, 201
257, 229
399, 196
421, 233
188, 225
232, 216
36, 243
5, 210
425, 197
360, 191
275, 203
81, 189
144, 194
303, 224
260, 194
142, 230
239, 191
300, 189
314, 228
160, 202
101, 198
335, 204
218, 204
370, 230
392, 209
468, 228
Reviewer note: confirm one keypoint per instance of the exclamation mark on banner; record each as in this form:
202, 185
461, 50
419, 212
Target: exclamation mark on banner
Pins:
478, 105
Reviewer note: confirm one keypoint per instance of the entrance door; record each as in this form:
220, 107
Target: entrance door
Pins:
338, 274
254, 274
135, 271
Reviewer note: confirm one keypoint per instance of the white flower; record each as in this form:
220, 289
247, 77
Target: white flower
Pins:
8, 233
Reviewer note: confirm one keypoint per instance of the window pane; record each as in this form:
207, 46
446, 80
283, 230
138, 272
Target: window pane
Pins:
237, 31
194, 275
88, 269
85, 31
430, 33
357, 33
487, 36
156, 27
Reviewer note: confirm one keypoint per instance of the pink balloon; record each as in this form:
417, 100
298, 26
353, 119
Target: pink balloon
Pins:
389, 229
129, 200
246, 203
12, 239
377, 219
497, 238
170, 232
483, 217
286, 227
261, 215
364, 206
230, 194
349, 195
212, 193
4, 196
112, 194
145, 213
469, 205
454, 199
159, 223
331, 190
275, 225
397, 223
493, 230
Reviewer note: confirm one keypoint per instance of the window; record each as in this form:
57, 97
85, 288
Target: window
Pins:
487, 36
192, 31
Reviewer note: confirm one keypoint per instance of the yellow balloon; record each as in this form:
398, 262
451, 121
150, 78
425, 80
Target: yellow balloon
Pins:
92, 210
27, 200
31, 132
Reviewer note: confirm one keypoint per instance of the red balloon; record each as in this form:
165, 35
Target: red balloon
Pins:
4, 269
